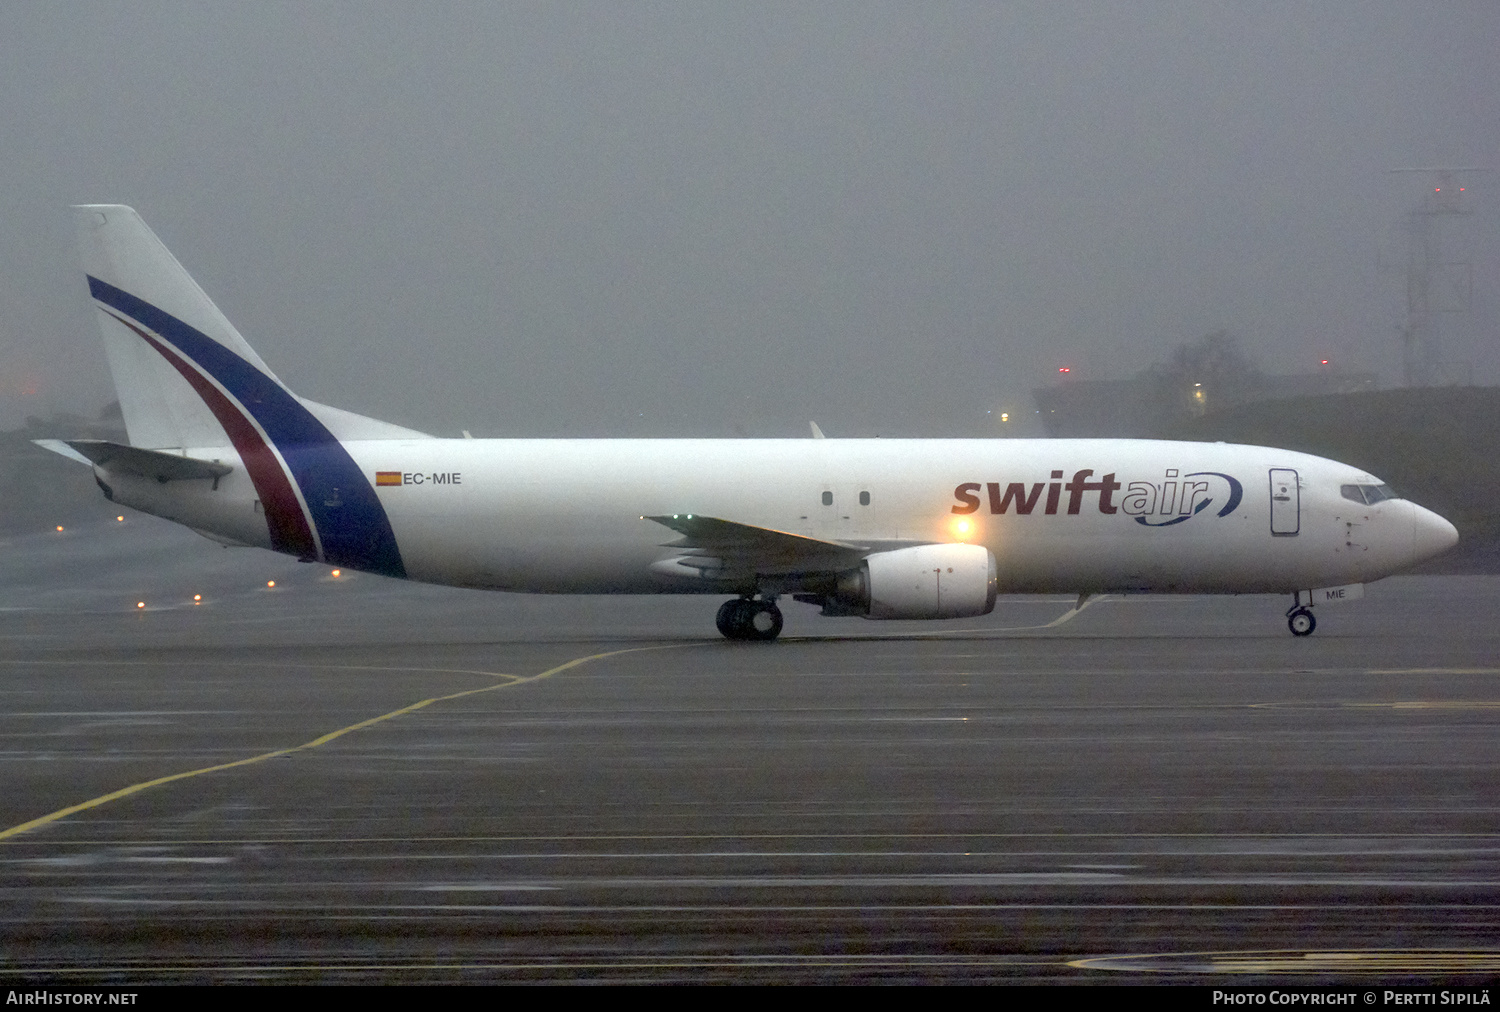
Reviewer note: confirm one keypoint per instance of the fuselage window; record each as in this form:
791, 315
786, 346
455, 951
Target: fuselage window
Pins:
864, 498
827, 498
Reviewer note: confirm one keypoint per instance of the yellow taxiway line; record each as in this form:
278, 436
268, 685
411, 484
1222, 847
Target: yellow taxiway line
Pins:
125, 792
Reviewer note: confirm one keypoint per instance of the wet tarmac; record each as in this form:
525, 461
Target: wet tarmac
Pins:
349, 779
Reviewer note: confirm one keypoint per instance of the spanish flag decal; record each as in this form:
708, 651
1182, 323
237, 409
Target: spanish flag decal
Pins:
387, 478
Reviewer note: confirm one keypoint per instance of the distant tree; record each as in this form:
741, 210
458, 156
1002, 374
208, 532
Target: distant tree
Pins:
1209, 374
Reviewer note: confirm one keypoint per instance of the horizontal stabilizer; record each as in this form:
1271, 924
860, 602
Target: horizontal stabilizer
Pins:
62, 449
163, 467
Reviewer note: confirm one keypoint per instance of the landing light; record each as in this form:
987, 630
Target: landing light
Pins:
270, 583
197, 598
59, 527
962, 527
120, 519
140, 604
337, 573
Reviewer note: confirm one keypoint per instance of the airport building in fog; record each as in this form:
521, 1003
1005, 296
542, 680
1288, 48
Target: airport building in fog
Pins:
1147, 406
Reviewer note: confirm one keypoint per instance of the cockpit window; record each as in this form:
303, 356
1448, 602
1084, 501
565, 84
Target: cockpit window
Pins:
1369, 495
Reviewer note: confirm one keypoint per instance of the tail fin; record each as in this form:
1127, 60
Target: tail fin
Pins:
135, 280
138, 285
186, 378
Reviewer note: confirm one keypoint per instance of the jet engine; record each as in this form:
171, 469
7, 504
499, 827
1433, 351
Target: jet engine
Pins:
928, 581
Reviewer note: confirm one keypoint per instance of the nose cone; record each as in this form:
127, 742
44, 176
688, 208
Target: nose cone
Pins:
1430, 534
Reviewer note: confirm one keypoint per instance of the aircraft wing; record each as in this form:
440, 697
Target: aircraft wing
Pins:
722, 548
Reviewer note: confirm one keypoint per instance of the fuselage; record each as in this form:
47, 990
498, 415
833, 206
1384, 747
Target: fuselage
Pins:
1075, 516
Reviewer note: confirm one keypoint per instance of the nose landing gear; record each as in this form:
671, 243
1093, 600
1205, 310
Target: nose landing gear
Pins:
747, 619
1299, 619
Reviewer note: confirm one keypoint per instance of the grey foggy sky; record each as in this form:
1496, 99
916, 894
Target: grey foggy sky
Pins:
617, 218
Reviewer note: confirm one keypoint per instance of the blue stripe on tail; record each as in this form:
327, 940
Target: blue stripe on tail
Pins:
350, 520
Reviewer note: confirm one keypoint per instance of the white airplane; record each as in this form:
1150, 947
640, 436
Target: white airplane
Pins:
883, 528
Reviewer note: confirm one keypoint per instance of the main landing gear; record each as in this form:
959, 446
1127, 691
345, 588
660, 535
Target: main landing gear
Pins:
746, 619
1299, 619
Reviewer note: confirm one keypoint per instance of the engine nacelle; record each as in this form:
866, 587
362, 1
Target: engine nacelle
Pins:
928, 581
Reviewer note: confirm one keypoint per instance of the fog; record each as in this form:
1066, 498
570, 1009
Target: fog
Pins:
728, 219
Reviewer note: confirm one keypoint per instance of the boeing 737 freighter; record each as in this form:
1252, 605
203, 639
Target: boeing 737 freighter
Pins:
883, 528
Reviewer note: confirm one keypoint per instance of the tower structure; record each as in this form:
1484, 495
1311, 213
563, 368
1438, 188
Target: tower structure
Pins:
1433, 285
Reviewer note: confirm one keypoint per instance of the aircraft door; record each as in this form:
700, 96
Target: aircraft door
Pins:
1286, 503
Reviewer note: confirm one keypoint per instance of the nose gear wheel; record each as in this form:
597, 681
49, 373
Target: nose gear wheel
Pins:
1300, 620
